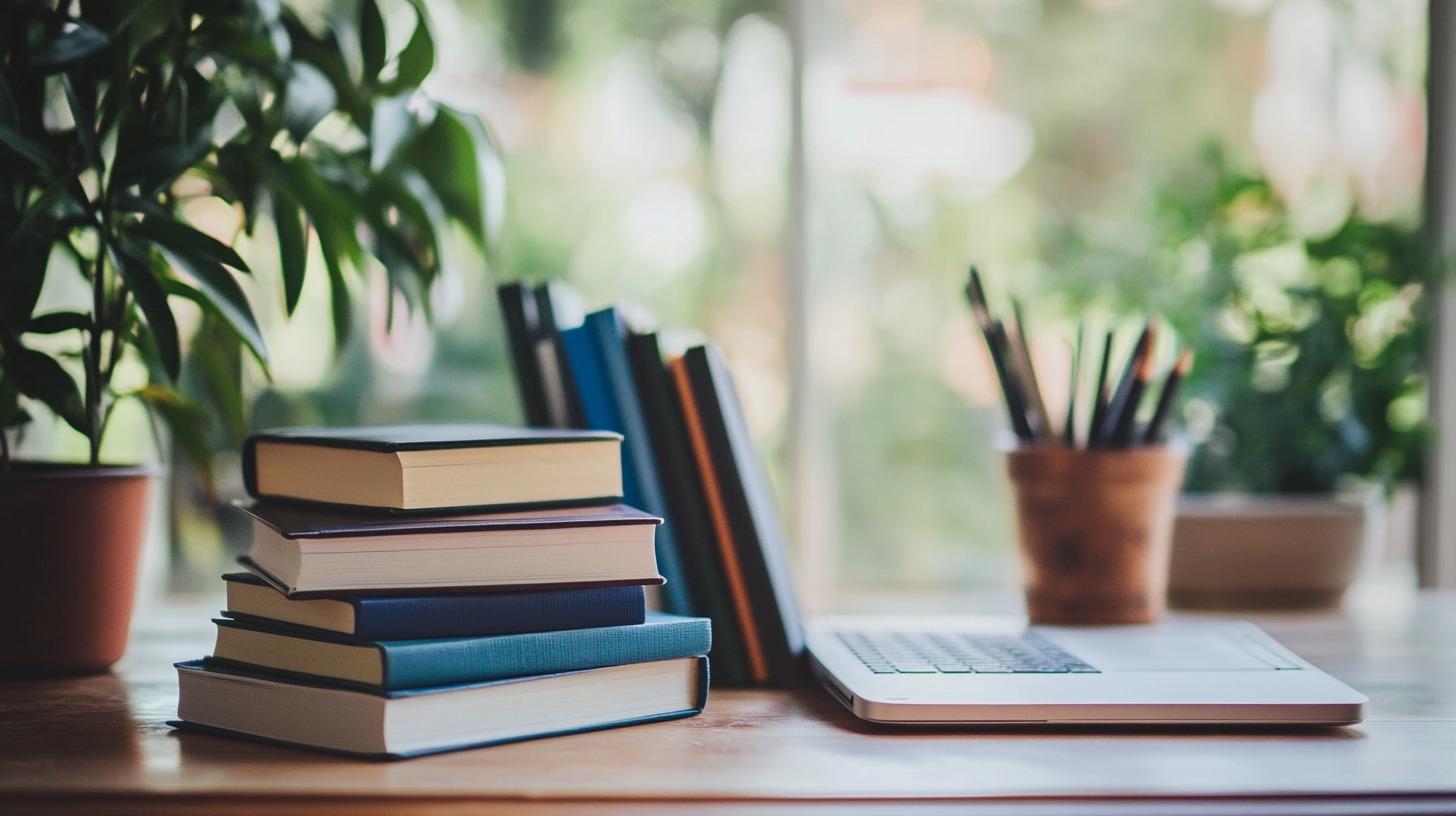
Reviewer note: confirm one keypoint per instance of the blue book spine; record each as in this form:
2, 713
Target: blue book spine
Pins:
418, 663
639, 458
442, 616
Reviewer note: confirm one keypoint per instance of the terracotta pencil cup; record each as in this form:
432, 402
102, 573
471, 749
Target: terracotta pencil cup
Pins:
1095, 530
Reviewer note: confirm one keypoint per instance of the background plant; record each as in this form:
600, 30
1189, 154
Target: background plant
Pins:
113, 114
1310, 330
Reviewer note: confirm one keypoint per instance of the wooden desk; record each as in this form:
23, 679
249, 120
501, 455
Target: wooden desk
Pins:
99, 745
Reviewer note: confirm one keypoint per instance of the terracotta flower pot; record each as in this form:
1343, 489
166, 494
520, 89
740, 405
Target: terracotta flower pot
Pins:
70, 539
1265, 551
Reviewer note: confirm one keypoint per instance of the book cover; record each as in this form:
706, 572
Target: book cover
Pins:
747, 505
434, 466
261, 707
686, 506
405, 664
307, 551
639, 456
363, 618
304, 521
518, 312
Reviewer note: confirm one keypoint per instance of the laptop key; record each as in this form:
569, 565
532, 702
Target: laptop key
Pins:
914, 668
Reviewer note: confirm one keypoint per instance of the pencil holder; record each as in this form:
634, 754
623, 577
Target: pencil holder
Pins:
1094, 529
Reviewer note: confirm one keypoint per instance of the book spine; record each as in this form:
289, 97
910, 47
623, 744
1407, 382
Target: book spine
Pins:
446, 616
518, 311
639, 456
687, 507
752, 514
421, 663
562, 398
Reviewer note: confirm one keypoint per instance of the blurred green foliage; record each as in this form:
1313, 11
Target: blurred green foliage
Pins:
1312, 347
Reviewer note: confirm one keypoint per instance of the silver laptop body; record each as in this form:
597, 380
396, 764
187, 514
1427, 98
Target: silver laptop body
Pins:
908, 670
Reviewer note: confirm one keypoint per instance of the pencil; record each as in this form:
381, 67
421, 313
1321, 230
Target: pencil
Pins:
1021, 351
1119, 398
1069, 429
1011, 386
995, 338
1099, 401
1153, 435
1122, 434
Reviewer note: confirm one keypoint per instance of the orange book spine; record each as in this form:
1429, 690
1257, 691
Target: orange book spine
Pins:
757, 662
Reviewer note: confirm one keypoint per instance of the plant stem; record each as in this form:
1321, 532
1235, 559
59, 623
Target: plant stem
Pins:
95, 375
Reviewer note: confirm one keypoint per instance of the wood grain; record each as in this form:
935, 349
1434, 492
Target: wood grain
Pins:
100, 745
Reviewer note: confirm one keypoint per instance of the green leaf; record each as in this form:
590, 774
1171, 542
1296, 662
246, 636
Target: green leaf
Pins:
393, 126
372, 40
11, 414
217, 358
145, 21
85, 124
186, 240
82, 41
187, 421
29, 150
155, 168
22, 274
340, 302
292, 248
138, 273
308, 98
9, 111
330, 209
57, 322
239, 181
458, 157
225, 295
42, 378
418, 57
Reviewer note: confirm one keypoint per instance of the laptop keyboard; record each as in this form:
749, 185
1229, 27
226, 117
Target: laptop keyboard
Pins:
961, 653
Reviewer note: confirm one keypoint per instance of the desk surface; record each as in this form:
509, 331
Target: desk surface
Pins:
100, 745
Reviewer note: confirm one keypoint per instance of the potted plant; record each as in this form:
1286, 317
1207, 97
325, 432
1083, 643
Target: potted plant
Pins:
112, 117
1308, 394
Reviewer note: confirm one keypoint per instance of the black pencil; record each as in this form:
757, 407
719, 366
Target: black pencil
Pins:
1122, 433
1153, 435
1026, 372
1069, 429
1011, 386
1099, 401
995, 337
1119, 398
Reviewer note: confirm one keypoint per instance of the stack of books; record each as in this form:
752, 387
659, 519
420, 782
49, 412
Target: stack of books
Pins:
416, 589
687, 458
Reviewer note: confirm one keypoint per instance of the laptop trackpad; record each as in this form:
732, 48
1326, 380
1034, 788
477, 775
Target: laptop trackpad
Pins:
1164, 651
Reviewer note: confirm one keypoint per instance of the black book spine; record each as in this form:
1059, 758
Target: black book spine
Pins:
687, 508
518, 309
751, 509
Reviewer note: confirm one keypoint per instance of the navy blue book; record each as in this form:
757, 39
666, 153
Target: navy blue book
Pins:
598, 353
262, 707
365, 617
402, 664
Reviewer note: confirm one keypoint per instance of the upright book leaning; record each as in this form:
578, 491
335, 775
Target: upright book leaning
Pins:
744, 518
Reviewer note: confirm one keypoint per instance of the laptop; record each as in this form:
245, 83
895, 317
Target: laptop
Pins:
998, 672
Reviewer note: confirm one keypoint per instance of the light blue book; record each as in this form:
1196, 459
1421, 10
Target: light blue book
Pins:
404, 664
597, 351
